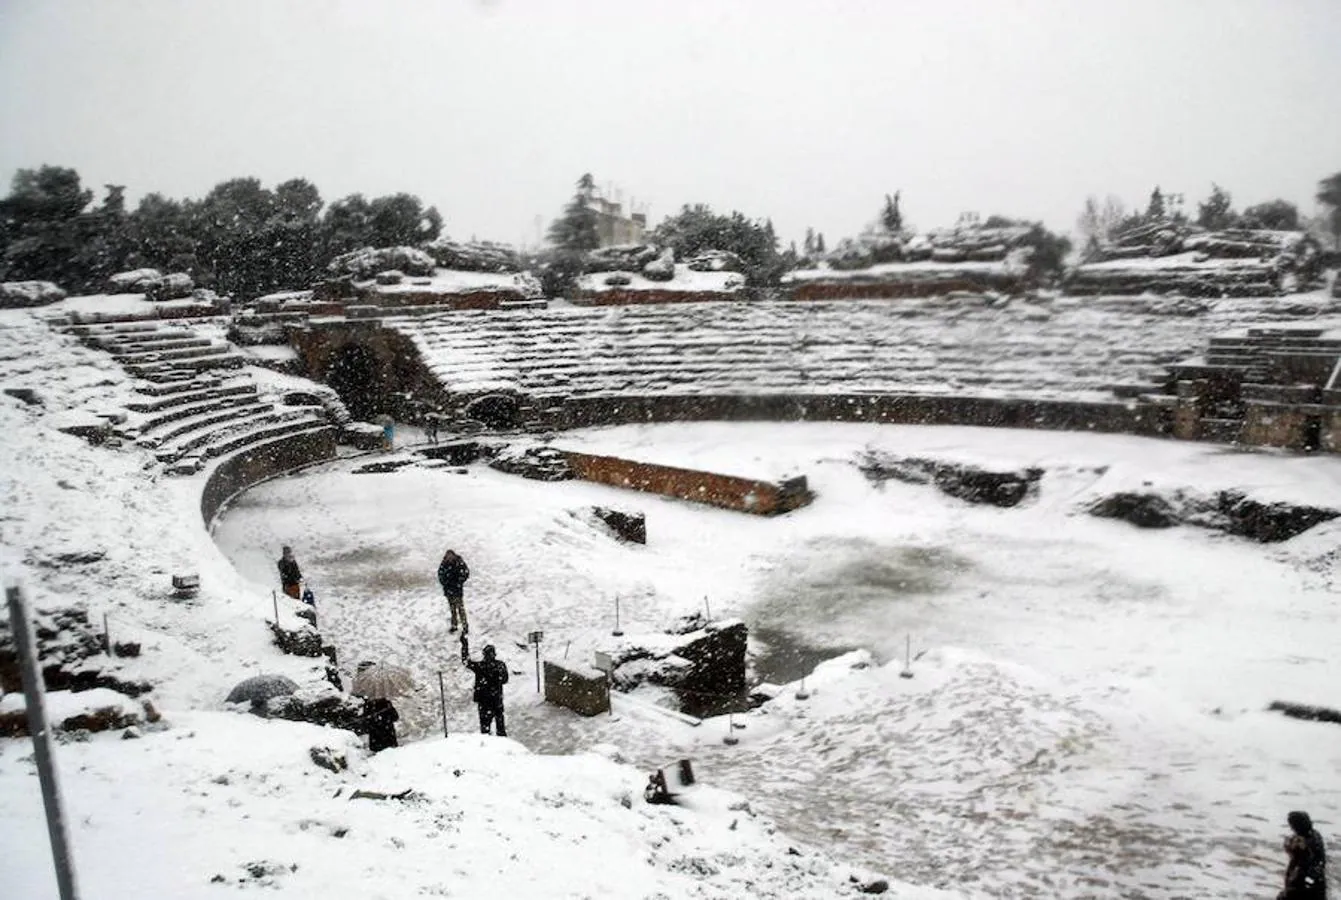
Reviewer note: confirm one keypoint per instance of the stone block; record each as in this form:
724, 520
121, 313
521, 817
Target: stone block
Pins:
1290, 427
185, 587
584, 691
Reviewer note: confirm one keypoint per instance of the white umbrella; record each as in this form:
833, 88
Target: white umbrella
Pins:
381, 681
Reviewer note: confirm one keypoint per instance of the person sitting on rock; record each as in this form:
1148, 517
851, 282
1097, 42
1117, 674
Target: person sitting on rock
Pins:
1306, 873
290, 576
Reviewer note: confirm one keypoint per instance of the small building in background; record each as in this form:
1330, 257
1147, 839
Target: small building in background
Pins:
613, 226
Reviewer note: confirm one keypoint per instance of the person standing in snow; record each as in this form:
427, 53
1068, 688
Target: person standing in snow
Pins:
452, 575
380, 717
431, 426
1306, 873
490, 676
290, 576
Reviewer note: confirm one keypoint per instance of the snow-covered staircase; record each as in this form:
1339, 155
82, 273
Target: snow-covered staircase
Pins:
192, 401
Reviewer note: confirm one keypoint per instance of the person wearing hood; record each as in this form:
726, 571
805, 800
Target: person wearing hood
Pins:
1306, 872
452, 575
290, 576
491, 674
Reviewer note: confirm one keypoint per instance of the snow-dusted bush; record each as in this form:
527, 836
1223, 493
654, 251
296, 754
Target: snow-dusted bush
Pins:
390, 276
16, 294
133, 282
367, 262
662, 268
481, 256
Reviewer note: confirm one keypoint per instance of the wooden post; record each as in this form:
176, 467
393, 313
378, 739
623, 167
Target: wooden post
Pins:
34, 692
442, 698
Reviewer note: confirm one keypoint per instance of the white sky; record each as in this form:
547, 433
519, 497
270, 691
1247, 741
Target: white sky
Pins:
805, 112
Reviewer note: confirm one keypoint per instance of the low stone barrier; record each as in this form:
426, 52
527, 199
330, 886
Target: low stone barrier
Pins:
255, 464
763, 498
584, 691
1131, 417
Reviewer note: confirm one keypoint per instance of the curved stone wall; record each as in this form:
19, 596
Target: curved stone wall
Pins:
260, 462
1001, 412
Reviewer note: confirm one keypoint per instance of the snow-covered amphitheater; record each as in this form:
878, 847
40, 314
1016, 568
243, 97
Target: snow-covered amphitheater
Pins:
1088, 708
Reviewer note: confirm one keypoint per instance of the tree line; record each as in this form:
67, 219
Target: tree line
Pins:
241, 238
1100, 222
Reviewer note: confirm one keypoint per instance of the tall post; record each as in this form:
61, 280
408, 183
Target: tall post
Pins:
537, 667
34, 693
618, 632
274, 598
442, 698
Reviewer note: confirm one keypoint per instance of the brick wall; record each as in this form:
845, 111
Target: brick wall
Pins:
727, 491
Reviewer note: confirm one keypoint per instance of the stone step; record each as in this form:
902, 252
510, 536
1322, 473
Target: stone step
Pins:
198, 416
180, 398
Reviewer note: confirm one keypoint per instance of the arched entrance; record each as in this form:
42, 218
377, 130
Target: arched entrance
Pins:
354, 376
495, 410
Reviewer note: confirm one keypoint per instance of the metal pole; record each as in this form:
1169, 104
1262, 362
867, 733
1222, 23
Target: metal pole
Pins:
442, 698
537, 667
106, 636
618, 632
274, 598
34, 693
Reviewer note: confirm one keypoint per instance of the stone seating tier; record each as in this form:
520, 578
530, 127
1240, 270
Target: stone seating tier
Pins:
1063, 349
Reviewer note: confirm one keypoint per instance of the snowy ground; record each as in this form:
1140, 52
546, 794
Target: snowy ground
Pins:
1087, 720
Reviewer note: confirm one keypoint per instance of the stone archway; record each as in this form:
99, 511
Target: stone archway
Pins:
354, 373
495, 410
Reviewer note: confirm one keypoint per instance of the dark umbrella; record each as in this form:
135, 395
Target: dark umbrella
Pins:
261, 688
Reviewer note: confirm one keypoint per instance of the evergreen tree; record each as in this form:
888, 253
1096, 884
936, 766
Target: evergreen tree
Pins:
1154, 210
1329, 195
809, 245
819, 243
575, 229
890, 217
1218, 209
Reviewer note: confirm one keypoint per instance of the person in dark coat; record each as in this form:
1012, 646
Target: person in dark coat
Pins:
290, 576
1306, 873
380, 717
452, 575
490, 676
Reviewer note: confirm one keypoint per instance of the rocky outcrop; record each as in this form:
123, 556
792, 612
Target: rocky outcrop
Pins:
628, 527
70, 652
367, 262
959, 480
662, 268
706, 662
536, 463
170, 287
620, 258
473, 256
136, 281
318, 704
21, 294
1229, 511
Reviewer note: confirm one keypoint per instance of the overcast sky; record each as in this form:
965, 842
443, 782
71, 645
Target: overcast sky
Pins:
807, 112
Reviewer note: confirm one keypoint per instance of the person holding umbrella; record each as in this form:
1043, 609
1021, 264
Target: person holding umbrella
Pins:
490, 674
377, 683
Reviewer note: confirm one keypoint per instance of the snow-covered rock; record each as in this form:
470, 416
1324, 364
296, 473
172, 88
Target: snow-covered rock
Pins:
17, 294
662, 268
368, 261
